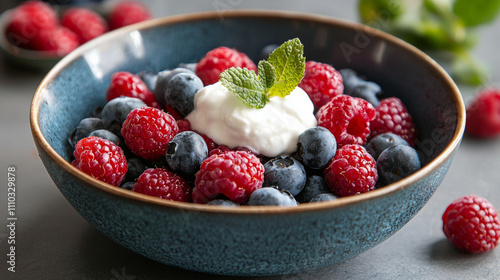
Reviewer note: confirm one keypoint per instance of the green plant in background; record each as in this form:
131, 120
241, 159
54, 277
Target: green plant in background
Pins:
446, 28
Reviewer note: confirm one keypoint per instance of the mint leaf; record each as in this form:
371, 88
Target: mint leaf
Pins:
289, 63
246, 85
477, 12
278, 76
267, 74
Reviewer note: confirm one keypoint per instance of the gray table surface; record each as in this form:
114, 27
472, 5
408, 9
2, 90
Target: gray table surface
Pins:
54, 242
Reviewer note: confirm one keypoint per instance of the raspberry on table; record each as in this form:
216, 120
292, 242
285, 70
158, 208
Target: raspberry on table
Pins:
348, 119
321, 82
164, 184
352, 171
472, 224
483, 114
128, 12
392, 116
219, 59
147, 132
101, 159
233, 174
130, 85
85, 23
27, 20
58, 40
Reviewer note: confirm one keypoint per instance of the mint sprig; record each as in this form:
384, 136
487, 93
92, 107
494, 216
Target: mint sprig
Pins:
277, 76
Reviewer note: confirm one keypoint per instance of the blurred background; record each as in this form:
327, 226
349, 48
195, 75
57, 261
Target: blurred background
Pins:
55, 242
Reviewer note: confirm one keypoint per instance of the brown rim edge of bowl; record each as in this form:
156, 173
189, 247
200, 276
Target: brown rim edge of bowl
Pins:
318, 206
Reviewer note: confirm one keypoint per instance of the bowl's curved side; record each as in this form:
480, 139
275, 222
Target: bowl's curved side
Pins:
255, 244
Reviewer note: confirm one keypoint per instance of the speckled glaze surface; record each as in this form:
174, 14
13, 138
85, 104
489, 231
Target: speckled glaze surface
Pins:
247, 240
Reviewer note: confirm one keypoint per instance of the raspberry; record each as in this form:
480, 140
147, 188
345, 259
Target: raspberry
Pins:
392, 116
164, 184
130, 85
85, 23
128, 12
147, 131
101, 159
59, 40
27, 20
471, 223
219, 59
352, 171
348, 119
321, 82
234, 174
483, 114
183, 124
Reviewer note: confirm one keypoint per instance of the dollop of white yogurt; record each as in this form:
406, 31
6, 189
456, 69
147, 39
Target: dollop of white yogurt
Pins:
271, 131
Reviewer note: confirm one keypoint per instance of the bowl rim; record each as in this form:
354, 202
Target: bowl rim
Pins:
253, 13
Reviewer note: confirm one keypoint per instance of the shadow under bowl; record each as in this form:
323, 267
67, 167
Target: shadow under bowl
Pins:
248, 240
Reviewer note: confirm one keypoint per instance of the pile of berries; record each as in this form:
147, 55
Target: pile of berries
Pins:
140, 140
471, 223
35, 25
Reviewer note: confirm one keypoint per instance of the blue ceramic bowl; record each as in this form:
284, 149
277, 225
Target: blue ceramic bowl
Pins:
249, 240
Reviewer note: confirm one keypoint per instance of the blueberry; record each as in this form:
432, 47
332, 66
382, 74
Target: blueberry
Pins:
350, 80
180, 92
149, 79
271, 196
383, 141
397, 162
136, 167
324, 197
116, 111
315, 185
185, 153
286, 173
162, 80
83, 129
368, 91
223, 202
316, 147
106, 134
128, 185
267, 50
